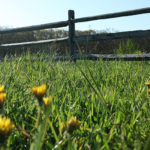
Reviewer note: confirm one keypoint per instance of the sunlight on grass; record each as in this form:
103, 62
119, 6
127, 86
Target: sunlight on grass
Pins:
87, 105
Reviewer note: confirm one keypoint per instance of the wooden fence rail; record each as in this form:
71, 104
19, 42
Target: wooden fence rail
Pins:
36, 27
32, 43
114, 15
111, 36
72, 39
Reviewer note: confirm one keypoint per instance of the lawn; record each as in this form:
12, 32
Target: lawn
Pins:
95, 105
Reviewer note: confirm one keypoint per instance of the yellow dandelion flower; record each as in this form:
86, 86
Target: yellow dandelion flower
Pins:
6, 127
39, 91
149, 91
47, 100
2, 98
2, 89
73, 124
148, 84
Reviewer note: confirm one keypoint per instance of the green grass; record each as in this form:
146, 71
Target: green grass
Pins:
109, 98
128, 48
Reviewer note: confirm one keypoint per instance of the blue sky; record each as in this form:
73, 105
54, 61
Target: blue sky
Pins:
19, 13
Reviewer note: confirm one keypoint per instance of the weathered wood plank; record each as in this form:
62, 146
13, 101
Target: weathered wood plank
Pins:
71, 34
32, 43
109, 57
104, 57
111, 36
36, 27
114, 15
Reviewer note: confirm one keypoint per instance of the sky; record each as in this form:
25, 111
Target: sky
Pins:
21, 13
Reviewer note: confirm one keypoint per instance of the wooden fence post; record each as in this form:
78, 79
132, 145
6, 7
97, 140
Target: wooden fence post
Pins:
71, 34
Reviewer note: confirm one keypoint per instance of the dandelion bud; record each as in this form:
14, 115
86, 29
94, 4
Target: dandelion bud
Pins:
71, 125
2, 98
2, 89
148, 84
47, 100
74, 123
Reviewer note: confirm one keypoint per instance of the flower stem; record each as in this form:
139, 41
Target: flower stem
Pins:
3, 146
38, 117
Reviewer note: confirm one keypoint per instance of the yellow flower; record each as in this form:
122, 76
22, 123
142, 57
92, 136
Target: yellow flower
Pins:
71, 125
2, 98
74, 123
148, 84
1, 89
47, 100
39, 91
6, 127
149, 91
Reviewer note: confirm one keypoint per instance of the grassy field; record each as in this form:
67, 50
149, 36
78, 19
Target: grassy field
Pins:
108, 99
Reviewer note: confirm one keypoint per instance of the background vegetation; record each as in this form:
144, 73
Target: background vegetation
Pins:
98, 47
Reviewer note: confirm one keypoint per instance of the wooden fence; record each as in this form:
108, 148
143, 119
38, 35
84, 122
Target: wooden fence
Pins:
72, 38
